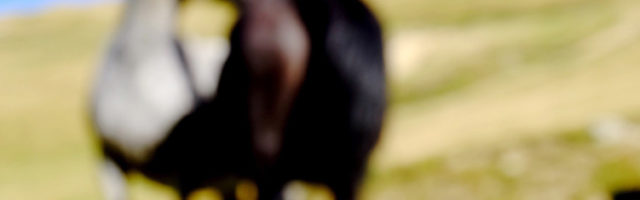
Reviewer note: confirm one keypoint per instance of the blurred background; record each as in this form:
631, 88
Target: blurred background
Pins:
491, 99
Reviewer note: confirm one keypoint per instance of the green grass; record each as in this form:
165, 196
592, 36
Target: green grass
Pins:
491, 99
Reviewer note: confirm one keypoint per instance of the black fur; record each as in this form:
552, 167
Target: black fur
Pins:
337, 116
198, 153
627, 195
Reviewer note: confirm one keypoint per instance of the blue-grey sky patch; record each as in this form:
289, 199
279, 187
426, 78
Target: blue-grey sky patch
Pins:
25, 7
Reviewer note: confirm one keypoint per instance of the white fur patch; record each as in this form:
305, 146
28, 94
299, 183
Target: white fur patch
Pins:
136, 107
114, 184
206, 58
142, 89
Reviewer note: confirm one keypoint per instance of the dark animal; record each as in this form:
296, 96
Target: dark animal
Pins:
627, 195
305, 82
147, 113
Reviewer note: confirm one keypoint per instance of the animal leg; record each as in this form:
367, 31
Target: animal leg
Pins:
270, 190
114, 183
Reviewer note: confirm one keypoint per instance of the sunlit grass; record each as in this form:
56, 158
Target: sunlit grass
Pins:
453, 57
402, 13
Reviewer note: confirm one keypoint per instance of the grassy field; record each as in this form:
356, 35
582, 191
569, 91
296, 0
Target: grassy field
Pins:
492, 99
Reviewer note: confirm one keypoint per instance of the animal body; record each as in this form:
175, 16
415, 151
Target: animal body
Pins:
632, 194
146, 110
306, 82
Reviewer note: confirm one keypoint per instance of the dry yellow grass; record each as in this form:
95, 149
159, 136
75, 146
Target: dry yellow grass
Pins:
541, 97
